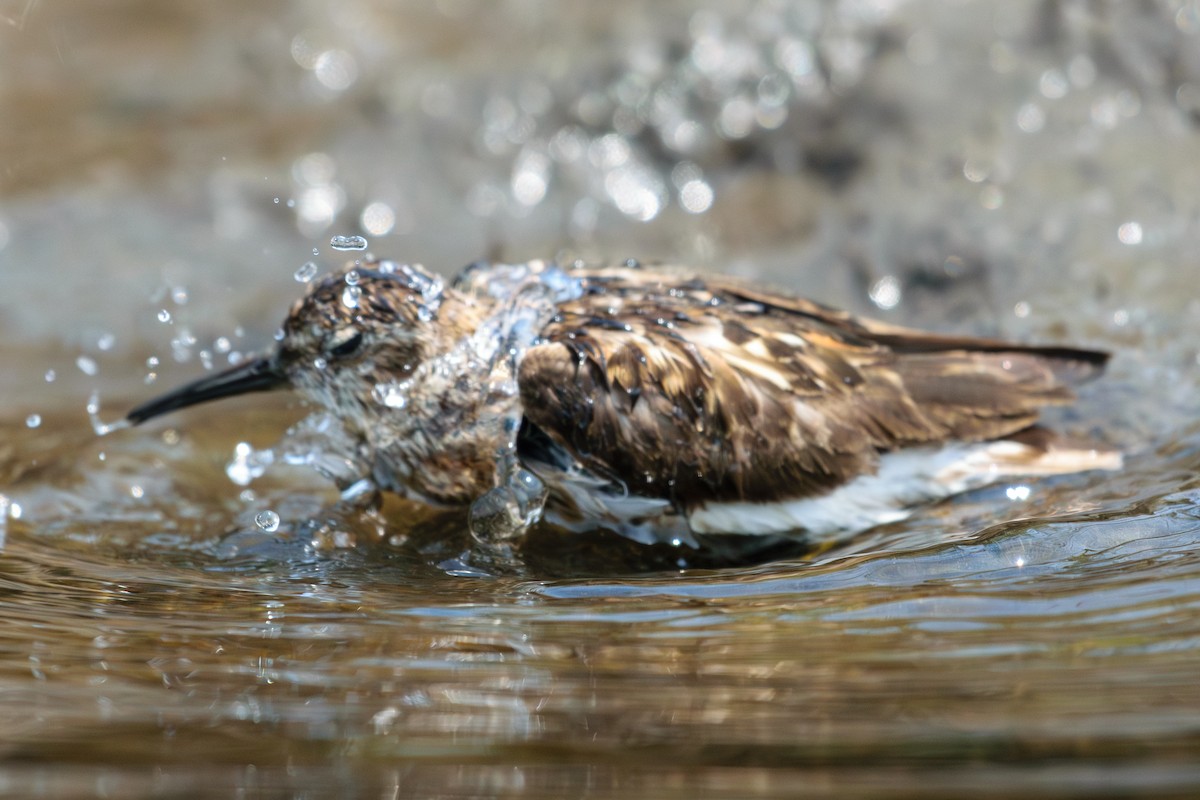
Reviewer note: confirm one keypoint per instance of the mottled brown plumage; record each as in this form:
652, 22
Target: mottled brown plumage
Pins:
681, 392
709, 390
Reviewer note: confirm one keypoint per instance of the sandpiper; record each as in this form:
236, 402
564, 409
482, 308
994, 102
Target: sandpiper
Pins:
654, 402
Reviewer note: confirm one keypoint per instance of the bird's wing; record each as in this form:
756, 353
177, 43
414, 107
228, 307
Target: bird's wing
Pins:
709, 391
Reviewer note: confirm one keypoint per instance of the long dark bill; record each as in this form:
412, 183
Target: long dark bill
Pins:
256, 375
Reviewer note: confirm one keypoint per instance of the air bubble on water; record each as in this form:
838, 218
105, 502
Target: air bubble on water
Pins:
350, 296
267, 520
348, 243
33, 421
307, 271
87, 365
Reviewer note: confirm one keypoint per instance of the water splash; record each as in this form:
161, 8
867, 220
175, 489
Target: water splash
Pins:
306, 272
248, 464
100, 427
507, 511
348, 243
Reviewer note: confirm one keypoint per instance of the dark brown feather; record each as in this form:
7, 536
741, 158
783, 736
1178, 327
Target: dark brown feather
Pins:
716, 391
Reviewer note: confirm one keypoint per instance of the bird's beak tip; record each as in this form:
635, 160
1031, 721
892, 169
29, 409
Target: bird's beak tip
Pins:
256, 375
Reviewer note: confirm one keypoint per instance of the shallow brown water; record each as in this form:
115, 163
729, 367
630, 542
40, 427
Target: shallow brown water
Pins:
1024, 172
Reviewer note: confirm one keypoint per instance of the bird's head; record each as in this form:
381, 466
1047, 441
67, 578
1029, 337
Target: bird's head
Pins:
349, 344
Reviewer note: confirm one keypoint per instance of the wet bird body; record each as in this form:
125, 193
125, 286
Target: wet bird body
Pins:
654, 402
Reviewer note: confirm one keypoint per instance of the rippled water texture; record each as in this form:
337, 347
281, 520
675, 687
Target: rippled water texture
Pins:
180, 618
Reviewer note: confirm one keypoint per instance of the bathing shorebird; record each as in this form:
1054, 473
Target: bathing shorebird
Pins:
654, 402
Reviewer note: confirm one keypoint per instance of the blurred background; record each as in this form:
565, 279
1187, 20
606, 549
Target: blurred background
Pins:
169, 170
165, 168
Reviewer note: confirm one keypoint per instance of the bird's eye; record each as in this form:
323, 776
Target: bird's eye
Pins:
346, 344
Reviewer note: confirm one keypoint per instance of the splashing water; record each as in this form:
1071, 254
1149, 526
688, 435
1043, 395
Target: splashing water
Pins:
306, 272
248, 464
100, 427
348, 243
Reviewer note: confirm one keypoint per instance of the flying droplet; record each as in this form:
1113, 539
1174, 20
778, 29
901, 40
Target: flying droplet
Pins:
267, 520
86, 365
307, 272
33, 421
348, 243
351, 295
392, 395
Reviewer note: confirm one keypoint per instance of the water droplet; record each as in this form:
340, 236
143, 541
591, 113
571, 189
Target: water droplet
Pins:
248, 464
352, 278
392, 395
87, 365
51, 375
1031, 118
378, 219
33, 421
307, 272
106, 341
696, 196
164, 315
1130, 233
350, 296
886, 292
1017, 492
348, 243
316, 251
267, 520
